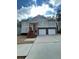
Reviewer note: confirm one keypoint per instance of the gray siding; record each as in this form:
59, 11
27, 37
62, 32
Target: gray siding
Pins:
24, 27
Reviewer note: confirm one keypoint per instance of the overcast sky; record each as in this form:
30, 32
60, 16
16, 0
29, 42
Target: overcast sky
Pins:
32, 8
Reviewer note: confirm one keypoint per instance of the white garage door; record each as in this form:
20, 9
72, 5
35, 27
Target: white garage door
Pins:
42, 31
51, 31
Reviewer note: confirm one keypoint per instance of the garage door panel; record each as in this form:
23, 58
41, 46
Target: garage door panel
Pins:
51, 31
42, 31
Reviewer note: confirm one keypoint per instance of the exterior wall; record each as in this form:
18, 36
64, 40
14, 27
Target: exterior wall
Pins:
18, 27
43, 22
59, 25
18, 30
47, 24
24, 27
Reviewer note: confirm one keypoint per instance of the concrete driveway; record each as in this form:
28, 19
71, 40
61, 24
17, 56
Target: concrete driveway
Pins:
45, 51
46, 47
48, 39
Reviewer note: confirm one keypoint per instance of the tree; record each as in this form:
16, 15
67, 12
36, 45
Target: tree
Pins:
59, 14
58, 19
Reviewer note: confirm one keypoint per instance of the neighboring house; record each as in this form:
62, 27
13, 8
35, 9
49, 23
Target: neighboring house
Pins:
40, 26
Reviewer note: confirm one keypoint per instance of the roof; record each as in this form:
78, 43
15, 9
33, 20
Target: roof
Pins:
36, 18
24, 20
39, 16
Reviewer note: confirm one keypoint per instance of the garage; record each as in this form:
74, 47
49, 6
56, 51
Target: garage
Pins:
47, 31
51, 31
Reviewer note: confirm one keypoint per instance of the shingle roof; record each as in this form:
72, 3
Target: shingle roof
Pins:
38, 16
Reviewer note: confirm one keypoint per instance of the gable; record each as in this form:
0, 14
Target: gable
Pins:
39, 18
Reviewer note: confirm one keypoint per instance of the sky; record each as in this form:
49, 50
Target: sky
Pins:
32, 8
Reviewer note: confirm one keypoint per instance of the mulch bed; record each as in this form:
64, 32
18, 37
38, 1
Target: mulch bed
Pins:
21, 40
